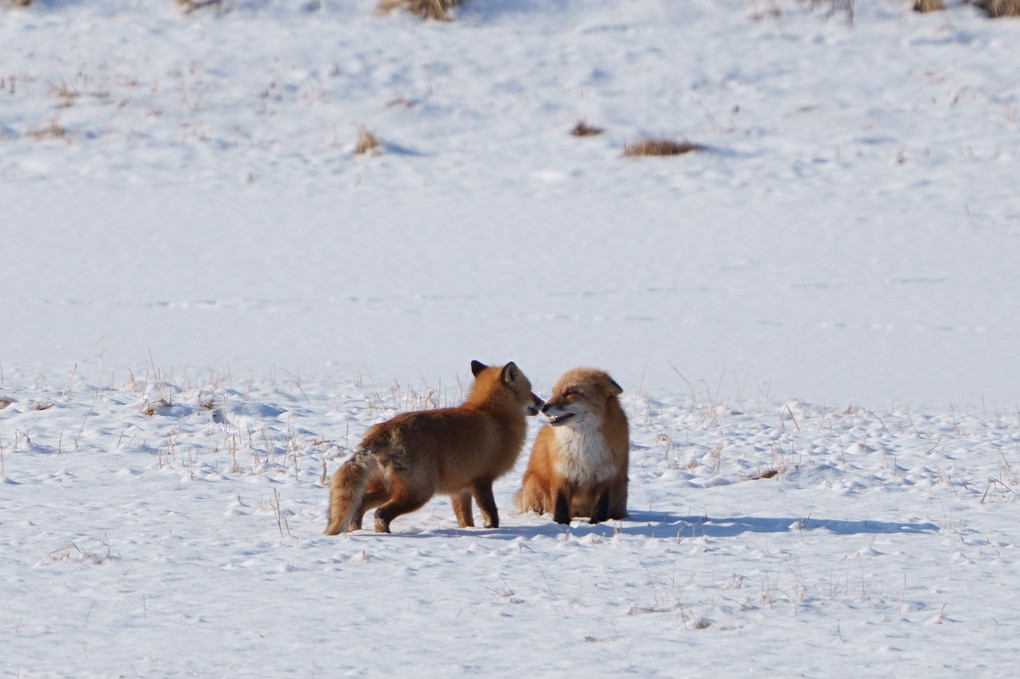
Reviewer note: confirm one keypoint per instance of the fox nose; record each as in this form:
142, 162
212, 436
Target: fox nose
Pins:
545, 408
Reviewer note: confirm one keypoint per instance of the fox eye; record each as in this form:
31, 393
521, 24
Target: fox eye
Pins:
571, 393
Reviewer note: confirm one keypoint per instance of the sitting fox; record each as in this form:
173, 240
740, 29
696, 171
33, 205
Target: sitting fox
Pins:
578, 464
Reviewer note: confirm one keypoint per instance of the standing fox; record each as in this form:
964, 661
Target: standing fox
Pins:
578, 465
401, 463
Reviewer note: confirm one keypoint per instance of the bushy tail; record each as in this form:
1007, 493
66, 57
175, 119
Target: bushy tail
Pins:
521, 502
347, 490
530, 497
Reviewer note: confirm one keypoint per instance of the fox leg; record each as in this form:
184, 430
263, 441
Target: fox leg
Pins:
401, 501
482, 490
561, 512
462, 508
601, 511
375, 494
618, 497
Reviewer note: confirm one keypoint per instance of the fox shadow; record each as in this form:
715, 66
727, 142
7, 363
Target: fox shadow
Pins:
668, 525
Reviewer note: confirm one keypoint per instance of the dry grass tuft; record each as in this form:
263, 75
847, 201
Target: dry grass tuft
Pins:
21, 3
925, 6
190, 6
1000, 8
402, 102
150, 408
50, 131
438, 10
650, 146
66, 93
583, 129
367, 143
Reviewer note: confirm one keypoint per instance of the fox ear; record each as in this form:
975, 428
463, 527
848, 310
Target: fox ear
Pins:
614, 388
511, 373
477, 367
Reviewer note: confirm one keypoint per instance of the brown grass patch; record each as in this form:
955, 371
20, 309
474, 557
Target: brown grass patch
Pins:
4, 402
21, 3
925, 6
583, 129
650, 146
437, 10
366, 143
1000, 8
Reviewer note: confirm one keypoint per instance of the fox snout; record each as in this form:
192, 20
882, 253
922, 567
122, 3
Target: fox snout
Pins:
557, 411
536, 406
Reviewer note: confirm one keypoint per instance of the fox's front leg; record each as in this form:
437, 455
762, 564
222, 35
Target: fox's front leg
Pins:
462, 508
561, 511
601, 511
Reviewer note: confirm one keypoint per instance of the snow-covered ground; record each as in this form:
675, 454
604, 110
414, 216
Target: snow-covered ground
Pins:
206, 298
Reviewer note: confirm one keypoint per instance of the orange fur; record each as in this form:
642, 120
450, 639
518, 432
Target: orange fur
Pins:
578, 464
401, 463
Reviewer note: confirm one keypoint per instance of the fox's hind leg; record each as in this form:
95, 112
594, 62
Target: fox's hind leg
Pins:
376, 493
618, 496
462, 508
482, 490
401, 501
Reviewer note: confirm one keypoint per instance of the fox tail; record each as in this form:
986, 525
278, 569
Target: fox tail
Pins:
347, 490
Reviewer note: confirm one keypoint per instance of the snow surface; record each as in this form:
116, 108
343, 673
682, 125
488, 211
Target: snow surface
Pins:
207, 297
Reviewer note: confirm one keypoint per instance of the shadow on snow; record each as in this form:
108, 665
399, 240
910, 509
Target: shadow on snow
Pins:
666, 525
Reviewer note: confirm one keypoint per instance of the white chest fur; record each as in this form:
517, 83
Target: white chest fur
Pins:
585, 457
